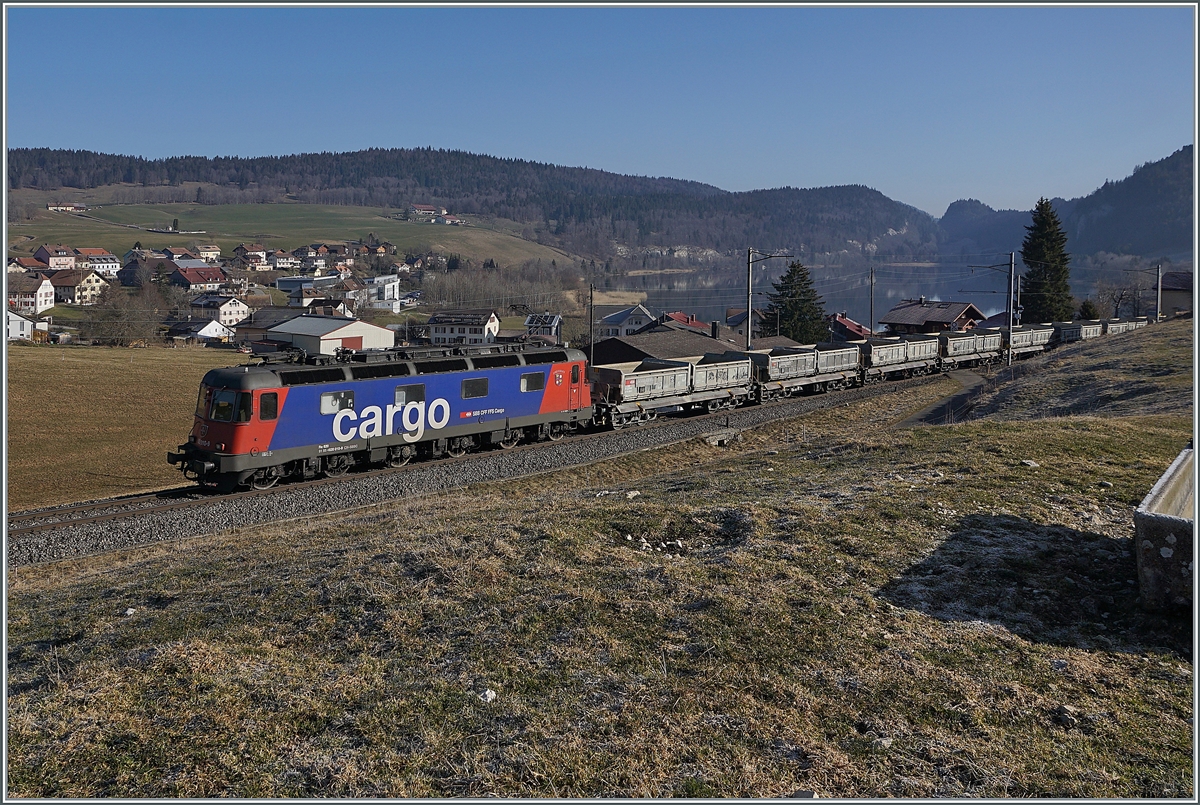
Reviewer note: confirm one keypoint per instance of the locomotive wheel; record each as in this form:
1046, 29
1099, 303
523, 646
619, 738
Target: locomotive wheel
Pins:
398, 459
556, 433
337, 466
456, 449
511, 441
264, 479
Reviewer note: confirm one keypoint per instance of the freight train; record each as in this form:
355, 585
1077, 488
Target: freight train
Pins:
298, 416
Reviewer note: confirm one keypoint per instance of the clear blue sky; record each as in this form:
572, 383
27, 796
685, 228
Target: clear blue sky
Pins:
926, 105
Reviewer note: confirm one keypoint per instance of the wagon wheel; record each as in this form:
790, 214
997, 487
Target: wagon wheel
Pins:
713, 406
264, 479
510, 441
617, 421
337, 466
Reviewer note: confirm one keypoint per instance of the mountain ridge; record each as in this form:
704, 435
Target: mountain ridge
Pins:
591, 211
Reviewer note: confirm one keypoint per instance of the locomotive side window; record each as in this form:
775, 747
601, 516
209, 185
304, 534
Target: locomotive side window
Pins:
534, 381
202, 401
334, 401
268, 406
411, 393
222, 406
574, 374
476, 387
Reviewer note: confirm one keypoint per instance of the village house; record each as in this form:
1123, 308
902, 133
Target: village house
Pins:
209, 278
227, 310
1176, 292
248, 250
77, 287
626, 322
735, 319
17, 265
210, 253
305, 296
198, 332
452, 220
55, 257
283, 261
23, 328
416, 211
30, 294
925, 316
140, 254
101, 261
176, 254
545, 325
464, 327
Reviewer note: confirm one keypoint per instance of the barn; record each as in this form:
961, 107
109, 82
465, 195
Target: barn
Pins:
322, 335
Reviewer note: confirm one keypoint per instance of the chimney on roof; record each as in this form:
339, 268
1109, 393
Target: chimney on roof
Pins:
922, 300
716, 329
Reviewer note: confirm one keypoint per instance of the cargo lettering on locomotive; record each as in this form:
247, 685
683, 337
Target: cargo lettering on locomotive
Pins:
374, 422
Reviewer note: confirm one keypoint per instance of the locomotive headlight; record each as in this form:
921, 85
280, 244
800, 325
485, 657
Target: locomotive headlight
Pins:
221, 445
191, 438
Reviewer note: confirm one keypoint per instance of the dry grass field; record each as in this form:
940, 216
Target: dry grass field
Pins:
831, 604
94, 422
285, 226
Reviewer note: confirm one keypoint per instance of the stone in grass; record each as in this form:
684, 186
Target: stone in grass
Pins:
1106, 485
488, 696
130, 611
1066, 716
881, 743
632, 495
1030, 463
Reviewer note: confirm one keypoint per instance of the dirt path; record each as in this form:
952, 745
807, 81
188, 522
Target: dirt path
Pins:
948, 409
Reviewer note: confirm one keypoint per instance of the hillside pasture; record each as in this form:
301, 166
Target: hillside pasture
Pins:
277, 226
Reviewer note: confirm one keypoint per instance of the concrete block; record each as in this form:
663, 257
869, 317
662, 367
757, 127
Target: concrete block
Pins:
1164, 538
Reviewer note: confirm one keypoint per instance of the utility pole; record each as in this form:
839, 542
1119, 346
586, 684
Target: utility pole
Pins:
872, 323
1012, 274
750, 261
1158, 301
591, 324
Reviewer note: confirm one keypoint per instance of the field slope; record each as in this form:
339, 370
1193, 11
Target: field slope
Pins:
833, 604
277, 226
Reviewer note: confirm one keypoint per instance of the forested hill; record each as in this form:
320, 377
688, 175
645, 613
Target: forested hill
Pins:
597, 213
1147, 213
584, 210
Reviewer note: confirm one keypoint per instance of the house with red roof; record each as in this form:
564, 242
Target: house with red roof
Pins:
198, 279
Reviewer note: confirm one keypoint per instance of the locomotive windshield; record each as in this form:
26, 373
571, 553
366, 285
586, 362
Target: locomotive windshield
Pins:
230, 406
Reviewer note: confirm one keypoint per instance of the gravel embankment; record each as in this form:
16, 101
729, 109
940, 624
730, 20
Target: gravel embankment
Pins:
368, 489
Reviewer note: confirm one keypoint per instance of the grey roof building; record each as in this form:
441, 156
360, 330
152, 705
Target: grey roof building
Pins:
925, 316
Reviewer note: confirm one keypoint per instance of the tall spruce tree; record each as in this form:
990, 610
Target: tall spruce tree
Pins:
796, 308
1046, 287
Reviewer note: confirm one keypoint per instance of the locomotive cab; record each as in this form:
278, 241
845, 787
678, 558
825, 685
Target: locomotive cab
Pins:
235, 417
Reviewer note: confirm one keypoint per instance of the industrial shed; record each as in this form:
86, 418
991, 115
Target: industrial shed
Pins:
324, 334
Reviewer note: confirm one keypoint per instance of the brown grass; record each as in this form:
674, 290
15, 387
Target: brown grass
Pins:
93, 422
832, 604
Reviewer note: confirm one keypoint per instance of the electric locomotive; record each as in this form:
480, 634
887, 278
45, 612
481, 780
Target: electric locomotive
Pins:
300, 416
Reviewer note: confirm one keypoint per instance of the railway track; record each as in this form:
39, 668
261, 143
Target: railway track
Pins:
94, 527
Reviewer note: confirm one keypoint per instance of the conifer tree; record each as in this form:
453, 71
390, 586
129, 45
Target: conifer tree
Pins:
796, 308
1045, 288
